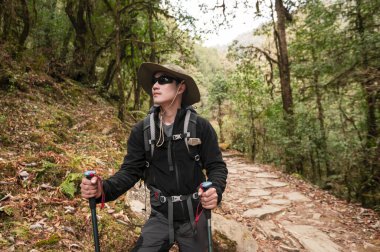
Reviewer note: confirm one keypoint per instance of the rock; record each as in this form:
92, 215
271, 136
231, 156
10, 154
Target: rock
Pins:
270, 229
47, 187
312, 239
370, 247
250, 201
296, 196
277, 183
108, 130
266, 175
32, 164
137, 206
279, 202
36, 226
24, 175
253, 169
262, 212
259, 193
289, 249
376, 225
316, 216
236, 232
69, 209
69, 230
111, 211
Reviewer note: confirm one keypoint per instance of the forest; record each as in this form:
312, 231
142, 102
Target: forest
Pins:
303, 94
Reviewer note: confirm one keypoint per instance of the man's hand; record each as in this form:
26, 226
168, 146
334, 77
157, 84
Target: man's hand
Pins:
91, 188
209, 198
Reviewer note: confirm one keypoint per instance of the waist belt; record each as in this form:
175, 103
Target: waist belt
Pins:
172, 199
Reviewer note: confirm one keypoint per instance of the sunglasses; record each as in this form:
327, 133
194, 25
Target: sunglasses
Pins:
164, 79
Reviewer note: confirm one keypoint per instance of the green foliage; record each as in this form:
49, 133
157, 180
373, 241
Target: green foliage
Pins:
53, 239
20, 230
8, 210
69, 186
333, 50
3, 118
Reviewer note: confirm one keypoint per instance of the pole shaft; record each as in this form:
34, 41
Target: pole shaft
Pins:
209, 235
94, 224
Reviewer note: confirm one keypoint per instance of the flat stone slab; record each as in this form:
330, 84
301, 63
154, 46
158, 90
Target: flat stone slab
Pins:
296, 196
270, 229
250, 201
262, 211
279, 202
236, 232
137, 206
277, 183
259, 193
232, 171
312, 238
266, 175
253, 169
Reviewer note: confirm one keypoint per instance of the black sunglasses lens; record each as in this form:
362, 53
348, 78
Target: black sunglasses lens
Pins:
162, 80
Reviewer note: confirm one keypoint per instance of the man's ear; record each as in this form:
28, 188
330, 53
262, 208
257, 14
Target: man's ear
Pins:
181, 87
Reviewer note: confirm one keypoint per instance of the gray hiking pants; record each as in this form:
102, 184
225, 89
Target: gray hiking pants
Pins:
155, 235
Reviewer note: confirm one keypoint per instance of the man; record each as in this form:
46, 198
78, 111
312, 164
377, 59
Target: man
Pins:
170, 161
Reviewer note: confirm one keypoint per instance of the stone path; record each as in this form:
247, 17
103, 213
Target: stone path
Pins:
286, 214
265, 210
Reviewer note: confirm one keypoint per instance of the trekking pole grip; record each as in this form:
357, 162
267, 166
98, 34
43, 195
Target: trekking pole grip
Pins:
205, 186
92, 201
89, 175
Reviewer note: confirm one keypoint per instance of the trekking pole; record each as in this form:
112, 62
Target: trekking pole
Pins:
205, 186
89, 175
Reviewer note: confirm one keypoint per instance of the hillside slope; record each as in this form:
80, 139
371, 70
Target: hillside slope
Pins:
50, 133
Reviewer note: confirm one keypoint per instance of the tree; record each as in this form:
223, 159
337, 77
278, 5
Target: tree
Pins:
218, 95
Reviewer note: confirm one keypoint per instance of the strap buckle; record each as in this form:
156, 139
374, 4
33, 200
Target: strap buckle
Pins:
176, 198
177, 137
162, 199
195, 195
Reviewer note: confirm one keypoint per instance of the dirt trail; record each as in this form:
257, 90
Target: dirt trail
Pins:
287, 214
265, 210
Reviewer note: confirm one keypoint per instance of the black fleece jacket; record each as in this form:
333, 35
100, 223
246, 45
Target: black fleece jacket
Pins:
187, 174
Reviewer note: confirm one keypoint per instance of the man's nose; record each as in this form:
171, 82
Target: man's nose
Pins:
155, 85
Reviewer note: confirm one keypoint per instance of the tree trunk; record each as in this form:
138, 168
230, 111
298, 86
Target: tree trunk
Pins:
8, 17
321, 117
322, 129
220, 121
26, 20
78, 69
135, 85
65, 45
371, 175
121, 113
108, 78
283, 60
293, 159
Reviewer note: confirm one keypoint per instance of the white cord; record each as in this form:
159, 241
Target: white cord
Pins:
161, 139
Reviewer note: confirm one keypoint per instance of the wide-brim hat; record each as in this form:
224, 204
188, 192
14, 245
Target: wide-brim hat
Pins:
148, 69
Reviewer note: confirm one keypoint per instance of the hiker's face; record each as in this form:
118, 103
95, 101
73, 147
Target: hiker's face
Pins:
164, 88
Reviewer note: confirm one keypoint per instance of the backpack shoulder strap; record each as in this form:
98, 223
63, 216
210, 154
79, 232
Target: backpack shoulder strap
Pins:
149, 132
190, 125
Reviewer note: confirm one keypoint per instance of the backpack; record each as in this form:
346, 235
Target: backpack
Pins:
188, 134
